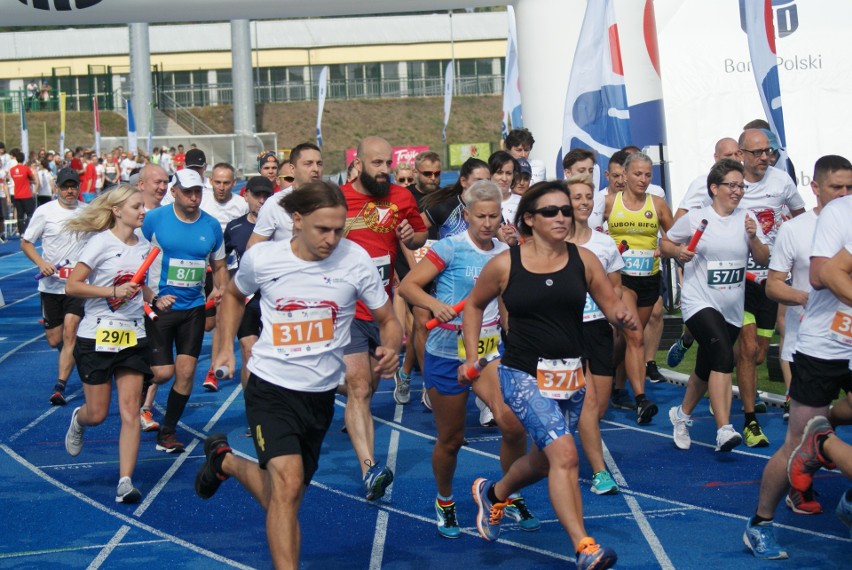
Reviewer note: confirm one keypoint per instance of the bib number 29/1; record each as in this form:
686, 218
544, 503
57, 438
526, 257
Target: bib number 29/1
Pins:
114, 335
560, 378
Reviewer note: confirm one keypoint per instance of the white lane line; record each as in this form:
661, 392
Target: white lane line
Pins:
31, 269
43, 416
20, 346
66, 550
380, 535
121, 516
225, 405
21, 300
167, 476
108, 548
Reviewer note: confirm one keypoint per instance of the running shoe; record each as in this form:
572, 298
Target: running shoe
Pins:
676, 353
424, 399
787, 408
621, 399
516, 509
58, 399
210, 474
602, 483
169, 443
126, 492
74, 436
645, 410
401, 388
486, 416
727, 438
844, 510
147, 422
376, 480
448, 526
488, 515
754, 436
759, 406
652, 373
806, 459
803, 503
681, 428
593, 556
760, 539
211, 383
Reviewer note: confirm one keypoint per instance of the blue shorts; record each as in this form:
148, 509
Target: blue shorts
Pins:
545, 419
364, 337
442, 374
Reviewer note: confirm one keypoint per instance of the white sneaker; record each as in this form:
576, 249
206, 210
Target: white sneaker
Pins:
681, 428
486, 418
424, 398
126, 492
74, 436
401, 388
727, 438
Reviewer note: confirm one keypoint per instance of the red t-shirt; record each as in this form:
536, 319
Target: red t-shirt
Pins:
180, 161
87, 182
22, 176
371, 223
76, 164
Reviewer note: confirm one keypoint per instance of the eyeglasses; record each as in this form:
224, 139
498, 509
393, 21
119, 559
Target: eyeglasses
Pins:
733, 185
761, 151
430, 174
69, 187
551, 211
403, 180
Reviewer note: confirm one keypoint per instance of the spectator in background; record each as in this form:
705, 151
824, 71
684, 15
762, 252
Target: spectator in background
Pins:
23, 179
166, 159
353, 171
179, 158
4, 199
403, 174
519, 143
44, 180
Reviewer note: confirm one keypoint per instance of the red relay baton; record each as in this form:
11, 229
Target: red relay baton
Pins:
755, 279
458, 308
140, 273
622, 247
150, 312
472, 372
697, 236
209, 304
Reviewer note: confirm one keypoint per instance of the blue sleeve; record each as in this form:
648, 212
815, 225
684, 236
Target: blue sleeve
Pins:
147, 226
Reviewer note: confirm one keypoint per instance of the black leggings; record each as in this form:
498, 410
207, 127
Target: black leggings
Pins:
24, 209
716, 338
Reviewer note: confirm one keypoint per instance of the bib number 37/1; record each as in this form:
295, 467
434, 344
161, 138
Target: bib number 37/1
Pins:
560, 378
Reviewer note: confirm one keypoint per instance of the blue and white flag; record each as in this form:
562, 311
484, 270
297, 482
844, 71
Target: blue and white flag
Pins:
764, 63
449, 80
323, 89
511, 86
132, 142
596, 114
25, 137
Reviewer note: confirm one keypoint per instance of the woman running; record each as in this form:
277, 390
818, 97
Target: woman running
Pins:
454, 264
714, 294
111, 338
543, 285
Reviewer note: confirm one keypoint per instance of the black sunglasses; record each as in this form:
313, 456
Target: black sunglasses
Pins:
551, 211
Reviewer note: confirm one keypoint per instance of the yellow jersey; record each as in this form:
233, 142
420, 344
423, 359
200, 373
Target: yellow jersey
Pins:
640, 229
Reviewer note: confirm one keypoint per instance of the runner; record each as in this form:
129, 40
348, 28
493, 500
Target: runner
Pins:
713, 295
188, 237
309, 284
61, 313
112, 341
543, 285
454, 264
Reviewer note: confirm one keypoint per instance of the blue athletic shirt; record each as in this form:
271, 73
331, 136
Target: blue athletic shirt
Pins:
181, 267
460, 261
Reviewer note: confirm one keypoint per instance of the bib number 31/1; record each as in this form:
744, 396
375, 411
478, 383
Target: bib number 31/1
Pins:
560, 378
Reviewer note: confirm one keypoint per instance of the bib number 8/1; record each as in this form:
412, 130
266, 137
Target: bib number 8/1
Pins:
186, 272
560, 378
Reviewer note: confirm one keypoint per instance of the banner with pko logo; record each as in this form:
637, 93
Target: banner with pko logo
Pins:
709, 82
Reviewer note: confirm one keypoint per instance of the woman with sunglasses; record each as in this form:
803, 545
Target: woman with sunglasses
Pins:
713, 295
403, 174
543, 285
635, 216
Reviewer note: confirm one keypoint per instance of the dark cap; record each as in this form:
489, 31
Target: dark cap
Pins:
267, 156
195, 157
525, 167
67, 175
259, 185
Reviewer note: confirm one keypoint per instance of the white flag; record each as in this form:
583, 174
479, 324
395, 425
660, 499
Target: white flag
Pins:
323, 89
25, 137
448, 96
511, 85
132, 142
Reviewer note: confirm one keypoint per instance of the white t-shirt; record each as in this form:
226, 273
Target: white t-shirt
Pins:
44, 180
596, 221
113, 263
58, 244
767, 197
306, 309
824, 331
604, 248
696, 195
2, 182
715, 278
656, 190
224, 212
510, 208
791, 254
125, 167
100, 171
273, 221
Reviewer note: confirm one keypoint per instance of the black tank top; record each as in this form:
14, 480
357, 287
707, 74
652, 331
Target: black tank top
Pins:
545, 312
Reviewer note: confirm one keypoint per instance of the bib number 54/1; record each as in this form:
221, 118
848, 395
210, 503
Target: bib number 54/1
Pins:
560, 378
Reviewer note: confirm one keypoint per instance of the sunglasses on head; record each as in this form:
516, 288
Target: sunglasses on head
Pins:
551, 211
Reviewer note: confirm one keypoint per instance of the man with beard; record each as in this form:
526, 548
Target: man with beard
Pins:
379, 214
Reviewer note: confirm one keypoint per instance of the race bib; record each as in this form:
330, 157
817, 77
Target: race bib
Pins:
421, 252
302, 330
64, 272
186, 272
489, 342
761, 271
591, 311
638, 262
841, 326
114, 335
560, 378
725, 275
383, 264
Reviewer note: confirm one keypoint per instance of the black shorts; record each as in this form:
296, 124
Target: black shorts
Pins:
764, 309
598, 347
817, 382
208, 288
647, 288
183, 329
250, 325
287, 422
55, 306
364, 337
97, 368
716, 338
